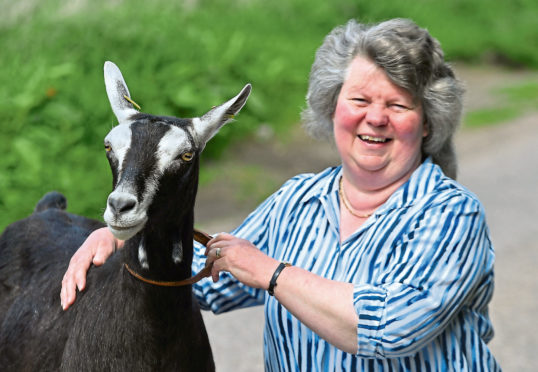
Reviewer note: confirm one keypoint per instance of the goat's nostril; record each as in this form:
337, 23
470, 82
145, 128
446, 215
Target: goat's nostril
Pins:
121, 204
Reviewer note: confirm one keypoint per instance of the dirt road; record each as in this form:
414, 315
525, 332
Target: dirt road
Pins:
497, 163
505, 178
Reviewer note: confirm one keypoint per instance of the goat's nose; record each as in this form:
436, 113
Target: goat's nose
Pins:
121, 203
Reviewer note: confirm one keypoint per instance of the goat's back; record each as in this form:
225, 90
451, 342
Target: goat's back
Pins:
34, 254
117, 323
42, 243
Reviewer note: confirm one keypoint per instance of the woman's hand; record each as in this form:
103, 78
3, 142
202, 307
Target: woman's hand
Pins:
99, 245
240, 258
323, 305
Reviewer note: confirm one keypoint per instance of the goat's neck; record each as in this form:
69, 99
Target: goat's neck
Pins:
163, 250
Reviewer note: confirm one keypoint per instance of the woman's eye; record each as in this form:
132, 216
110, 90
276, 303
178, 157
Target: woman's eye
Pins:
360, 101
399, 107
187, 156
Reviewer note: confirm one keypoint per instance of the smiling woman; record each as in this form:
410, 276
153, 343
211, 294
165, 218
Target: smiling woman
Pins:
378, 130
411, 64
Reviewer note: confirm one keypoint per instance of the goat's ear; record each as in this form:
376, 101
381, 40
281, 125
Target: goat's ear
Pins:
208, 125
117, 90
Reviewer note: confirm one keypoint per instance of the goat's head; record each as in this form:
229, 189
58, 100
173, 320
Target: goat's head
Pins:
150, 153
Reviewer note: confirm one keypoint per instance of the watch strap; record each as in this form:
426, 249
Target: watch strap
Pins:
272, 282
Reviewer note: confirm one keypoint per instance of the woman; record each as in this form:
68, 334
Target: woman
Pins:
391, 262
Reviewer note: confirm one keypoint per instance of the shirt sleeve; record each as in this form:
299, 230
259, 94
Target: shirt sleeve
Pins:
445, 258
228, 293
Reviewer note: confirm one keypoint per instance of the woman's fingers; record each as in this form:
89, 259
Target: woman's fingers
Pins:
215, 274
218, 266
96, 249
241, 259
220, 238
215, 252
67, 293
104, 249
75, 276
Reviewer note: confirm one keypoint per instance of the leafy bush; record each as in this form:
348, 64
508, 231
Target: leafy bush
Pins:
181, 58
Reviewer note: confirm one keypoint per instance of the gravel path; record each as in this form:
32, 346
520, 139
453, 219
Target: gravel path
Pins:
497, 163
504, 175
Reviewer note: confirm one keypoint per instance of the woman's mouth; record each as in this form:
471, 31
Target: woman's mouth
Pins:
373, 139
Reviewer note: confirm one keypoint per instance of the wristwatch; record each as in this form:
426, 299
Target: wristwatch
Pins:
272, 282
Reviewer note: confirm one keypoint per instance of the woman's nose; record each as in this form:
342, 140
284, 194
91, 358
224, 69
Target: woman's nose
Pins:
377, 115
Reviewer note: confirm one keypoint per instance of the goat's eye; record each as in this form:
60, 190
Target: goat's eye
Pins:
108, 148
187, 156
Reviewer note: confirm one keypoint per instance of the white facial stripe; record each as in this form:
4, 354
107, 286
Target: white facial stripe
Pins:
147, 197
173, 143
120, 140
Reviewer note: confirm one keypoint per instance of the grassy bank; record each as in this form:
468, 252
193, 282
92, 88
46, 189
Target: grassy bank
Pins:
181, 58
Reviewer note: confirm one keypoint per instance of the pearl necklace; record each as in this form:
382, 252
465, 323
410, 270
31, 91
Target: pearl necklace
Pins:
347, 204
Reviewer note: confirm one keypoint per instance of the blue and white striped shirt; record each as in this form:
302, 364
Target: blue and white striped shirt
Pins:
422, 269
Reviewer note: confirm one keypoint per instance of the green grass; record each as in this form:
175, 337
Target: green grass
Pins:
490, 116
525, 94
180, 60
513, 101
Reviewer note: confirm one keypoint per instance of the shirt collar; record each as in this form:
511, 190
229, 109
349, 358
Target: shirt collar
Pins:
423, 180
327, 184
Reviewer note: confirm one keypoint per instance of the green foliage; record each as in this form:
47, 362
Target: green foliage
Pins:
180, 58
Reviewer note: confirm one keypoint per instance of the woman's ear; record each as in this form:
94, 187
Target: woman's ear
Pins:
425, 129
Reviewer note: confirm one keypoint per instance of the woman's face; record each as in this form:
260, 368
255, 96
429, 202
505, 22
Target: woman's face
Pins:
378, 128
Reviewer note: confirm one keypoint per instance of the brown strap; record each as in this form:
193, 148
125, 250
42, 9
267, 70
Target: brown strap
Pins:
200, 237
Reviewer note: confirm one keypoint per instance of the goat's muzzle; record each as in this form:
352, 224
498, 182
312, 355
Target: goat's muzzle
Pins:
123, 215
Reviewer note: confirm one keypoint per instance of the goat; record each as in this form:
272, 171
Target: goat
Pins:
118, 323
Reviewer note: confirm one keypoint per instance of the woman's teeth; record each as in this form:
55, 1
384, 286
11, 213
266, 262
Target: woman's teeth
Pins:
373, 139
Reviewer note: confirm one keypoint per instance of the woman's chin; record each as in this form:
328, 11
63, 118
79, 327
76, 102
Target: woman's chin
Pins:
371, 163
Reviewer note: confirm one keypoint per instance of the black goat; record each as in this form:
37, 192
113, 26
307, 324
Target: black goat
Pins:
118, 323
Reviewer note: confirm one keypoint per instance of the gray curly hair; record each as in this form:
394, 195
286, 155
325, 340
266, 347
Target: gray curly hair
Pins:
411, 58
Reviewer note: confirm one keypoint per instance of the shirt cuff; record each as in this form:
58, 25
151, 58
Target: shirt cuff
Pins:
369, 303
